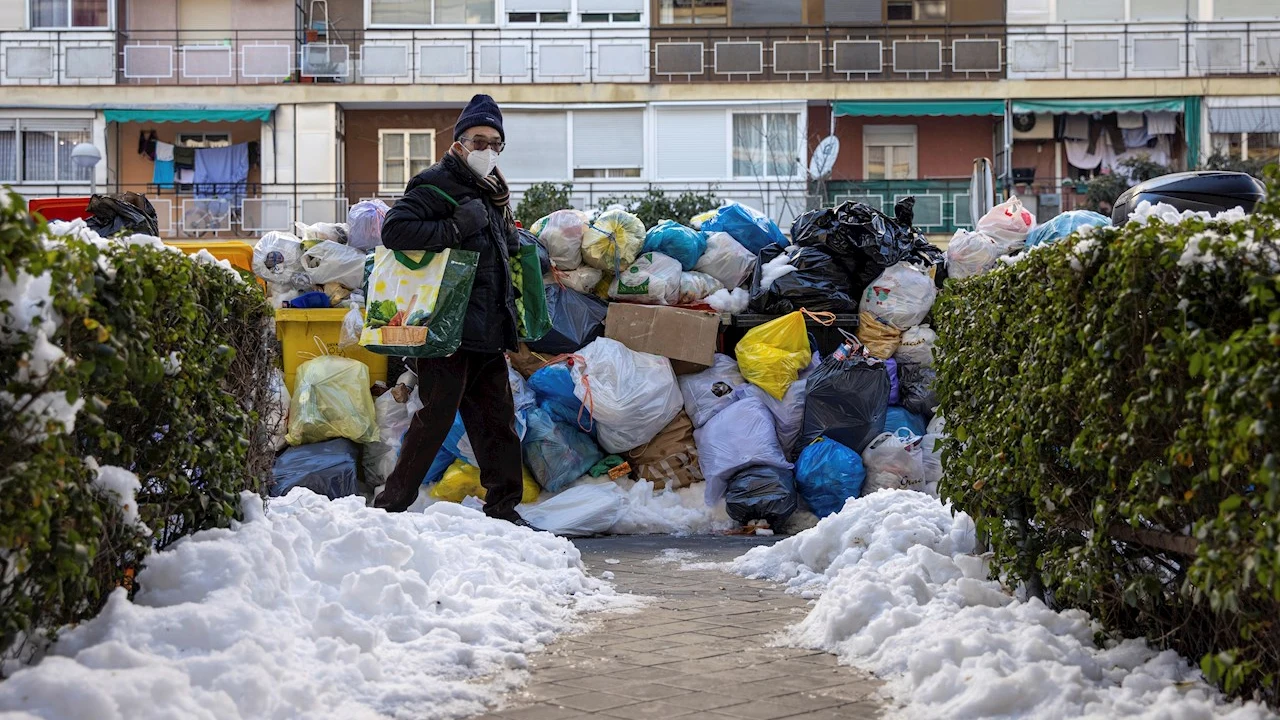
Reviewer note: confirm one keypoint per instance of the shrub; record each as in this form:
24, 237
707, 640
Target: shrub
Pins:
1217, 161
655, 205
165, 375
541, 200
1106, 188
1114, 404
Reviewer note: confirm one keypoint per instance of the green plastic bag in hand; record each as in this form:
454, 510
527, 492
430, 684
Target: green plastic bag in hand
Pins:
533, 318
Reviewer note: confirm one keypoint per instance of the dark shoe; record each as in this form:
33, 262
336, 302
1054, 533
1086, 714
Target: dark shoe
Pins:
521, 522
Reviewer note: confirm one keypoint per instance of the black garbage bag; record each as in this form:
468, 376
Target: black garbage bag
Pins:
528, 238
865, 241
128, 213
762, 492
576, 320
915, 389
818, 283
326, 468
846, 401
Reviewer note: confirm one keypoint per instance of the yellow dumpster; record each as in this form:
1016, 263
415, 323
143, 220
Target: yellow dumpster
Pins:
239, 252
298, 331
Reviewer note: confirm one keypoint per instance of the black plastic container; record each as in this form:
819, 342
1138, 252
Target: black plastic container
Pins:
1208, 190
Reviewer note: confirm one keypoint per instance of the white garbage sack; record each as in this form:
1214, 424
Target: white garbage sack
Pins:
584, 279
364, 222
319, 232
1008, 225
931, 453
710, 391
632, 396
380, 457
580, 510
653, 279
726, 260
277, 415
696, 287
971, 253
737, 437
937, 426
561, 234
277, 259
329, 261
902, 296
916, 347
894, 462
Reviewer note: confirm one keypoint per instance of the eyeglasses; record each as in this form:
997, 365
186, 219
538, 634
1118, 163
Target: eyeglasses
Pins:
474, 143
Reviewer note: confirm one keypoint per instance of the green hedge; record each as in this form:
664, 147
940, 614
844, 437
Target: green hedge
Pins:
1114, 409
167, 360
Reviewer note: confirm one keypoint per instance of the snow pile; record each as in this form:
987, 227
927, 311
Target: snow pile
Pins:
1145, 213
319, 609
124, 485
734, 303
204, 257
902, 596
669, 512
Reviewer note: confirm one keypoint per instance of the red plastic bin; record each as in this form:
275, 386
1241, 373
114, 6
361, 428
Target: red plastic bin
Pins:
60, 208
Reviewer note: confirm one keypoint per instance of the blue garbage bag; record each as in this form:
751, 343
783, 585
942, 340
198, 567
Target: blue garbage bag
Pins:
827, 474
1065, 224
677, 241
754, 230
557, 453
327, 468
891, 366
553, 387
900, 417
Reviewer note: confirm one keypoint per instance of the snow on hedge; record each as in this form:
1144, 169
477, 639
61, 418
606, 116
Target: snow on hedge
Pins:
901, 594
319, 609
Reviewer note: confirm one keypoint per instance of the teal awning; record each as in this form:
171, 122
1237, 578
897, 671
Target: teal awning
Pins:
253, 113
1091, 106
918, 108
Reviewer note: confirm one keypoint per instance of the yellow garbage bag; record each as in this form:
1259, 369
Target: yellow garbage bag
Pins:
882, 340
612, 241
462, 480
696, 221
331, 400
771, 356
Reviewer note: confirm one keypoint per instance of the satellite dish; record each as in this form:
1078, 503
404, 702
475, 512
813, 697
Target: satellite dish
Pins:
824, 157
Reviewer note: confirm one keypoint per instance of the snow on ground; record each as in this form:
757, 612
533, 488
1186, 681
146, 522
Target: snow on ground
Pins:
901, 594
317, 609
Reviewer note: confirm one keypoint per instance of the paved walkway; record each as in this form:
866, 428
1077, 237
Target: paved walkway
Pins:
699, 650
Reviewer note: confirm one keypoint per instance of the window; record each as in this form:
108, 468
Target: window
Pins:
601, 17
608, 143
694, 12
34, 151
889, 152
428, 12
1262, 146
70, 14
202, 140
404, 153
766, 144
917, 10
533, 17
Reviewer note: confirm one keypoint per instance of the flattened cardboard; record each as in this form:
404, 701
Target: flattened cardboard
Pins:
676, 333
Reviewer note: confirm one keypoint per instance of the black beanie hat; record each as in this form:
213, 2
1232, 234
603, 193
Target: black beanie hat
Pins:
482, 110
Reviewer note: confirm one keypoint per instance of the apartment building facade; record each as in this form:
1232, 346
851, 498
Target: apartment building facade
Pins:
344, 100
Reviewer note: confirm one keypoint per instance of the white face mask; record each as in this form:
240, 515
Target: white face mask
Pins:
482, 162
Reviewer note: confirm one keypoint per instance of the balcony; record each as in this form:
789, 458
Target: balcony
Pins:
1146, 50
830, 54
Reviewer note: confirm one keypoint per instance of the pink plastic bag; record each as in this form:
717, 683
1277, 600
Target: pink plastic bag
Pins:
1008, 224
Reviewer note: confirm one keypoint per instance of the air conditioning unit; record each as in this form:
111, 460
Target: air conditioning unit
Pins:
1029, 126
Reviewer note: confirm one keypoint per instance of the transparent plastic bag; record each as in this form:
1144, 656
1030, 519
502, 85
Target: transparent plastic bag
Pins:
632, 396
916, 347
894, 461
970, 254
613, 240
726, 260
902, 296
328, 261
278, 411
561, 233
771, 356
653, 279
319, 232
379, 458
696, 287
710, 391
352, 326
331, 400
364, 222
1008, 224
277, 259
583, 280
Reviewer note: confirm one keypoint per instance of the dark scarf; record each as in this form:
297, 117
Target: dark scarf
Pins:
493, 185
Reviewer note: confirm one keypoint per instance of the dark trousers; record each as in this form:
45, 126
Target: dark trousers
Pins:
475, 385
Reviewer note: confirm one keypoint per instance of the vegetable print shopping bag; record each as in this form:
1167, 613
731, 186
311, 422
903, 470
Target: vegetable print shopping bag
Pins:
417, 302
532, 316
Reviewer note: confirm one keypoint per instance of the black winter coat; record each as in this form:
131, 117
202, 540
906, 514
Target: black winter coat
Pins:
422, 220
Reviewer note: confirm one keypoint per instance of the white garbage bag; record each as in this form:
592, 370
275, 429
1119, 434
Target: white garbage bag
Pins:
561, 234
931, 454
584, 279
894, 462
277, 259
726, 260
653, 279
696, 287
902, 296
364, 222
319, 232
970, 254
737, 437
329, 261
917, 346
1008, 225
632, 396
937, 426
580, 510
380, 457
710, 391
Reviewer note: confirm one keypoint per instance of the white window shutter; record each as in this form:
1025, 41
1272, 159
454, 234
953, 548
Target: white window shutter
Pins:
608, 138
537, 146
691, 144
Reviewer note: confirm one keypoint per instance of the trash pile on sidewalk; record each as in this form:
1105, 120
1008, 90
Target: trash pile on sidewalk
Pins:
623, 384
323, 265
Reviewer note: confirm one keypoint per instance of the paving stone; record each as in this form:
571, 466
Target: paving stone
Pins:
548, 691
759, 710
538, 712
655, 710
594, 701
703, 700
648, 691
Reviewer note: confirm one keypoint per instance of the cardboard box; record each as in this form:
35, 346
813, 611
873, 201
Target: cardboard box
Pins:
688, 337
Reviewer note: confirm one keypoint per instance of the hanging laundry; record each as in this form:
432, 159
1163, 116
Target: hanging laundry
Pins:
222, 172
255, 154
1162, 123
184, 176
1079, 156
184, 158
162, 175
1131, 120
147, 143
164, 152
1136, 137
1105, 124
1076, 127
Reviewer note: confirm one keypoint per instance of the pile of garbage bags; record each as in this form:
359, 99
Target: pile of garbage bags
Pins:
1007, 230
320, 265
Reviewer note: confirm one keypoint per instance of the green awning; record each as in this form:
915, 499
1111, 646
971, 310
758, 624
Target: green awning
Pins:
255, 113
1089, 107
918, 108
